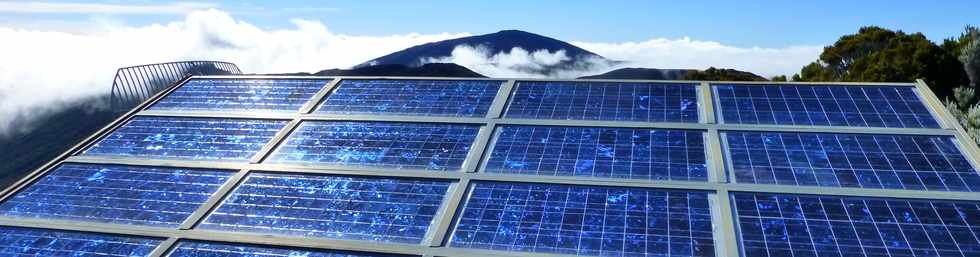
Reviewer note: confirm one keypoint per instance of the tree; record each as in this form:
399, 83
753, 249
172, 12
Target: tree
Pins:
779, 78
964, 104
969, 55
715, 74
876, 54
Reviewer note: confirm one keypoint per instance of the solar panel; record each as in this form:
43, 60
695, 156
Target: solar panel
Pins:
16, 241
796, 225
585, 220
214, 249
252, 95
454, 98
652, 154
427, 146
619, 101
820, 105
915, 162
357, 208
188, 138
116, 194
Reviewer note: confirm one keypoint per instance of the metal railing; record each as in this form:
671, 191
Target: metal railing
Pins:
135, 84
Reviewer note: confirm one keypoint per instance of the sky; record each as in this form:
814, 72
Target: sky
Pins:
55, 52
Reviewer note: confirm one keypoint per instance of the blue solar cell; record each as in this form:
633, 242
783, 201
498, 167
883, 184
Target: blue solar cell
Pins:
427, 146
54, 243
621, 101
456, 98
116, 194
213, 249
286, 95
585, 220
659, 154
188, 138
795, 225
914, 162
856, 106
374, 209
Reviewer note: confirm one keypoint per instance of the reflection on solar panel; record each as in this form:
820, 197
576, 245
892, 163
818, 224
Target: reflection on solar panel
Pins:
374, 209
599, 152
620, 101
585, 220
851, 160
792, 225
599, 168
241, 95
858, 106
43, 242
456, 98
427, 146
212, 249
188, 138
116, 194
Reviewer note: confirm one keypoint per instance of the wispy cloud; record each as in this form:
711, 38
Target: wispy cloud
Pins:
103, 8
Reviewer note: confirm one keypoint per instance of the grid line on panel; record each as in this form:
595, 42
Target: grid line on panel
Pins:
373, 209
798, 225
425, 146
286, 95
116, 194
614, 101
912, 162
187, 138
562, 219
650, 154
451, 98
16, 241
205, 248
822, 105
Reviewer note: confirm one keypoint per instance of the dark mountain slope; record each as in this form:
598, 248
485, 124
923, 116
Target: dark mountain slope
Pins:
678, 74
427, 70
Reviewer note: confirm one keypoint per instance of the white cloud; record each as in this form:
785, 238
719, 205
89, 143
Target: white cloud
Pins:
692, 54
41, 69
102, 8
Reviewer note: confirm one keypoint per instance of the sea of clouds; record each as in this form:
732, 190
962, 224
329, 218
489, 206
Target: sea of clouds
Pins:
43, 68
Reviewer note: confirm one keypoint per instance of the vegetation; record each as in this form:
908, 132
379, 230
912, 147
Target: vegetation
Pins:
965, 105
715, 74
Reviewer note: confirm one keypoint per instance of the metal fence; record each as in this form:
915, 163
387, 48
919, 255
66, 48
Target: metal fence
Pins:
135, 84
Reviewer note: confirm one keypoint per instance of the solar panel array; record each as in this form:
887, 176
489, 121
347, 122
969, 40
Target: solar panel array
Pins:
314, 166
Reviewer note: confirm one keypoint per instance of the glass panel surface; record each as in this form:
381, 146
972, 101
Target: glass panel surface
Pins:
188, 138
619, 101
116, 194
652, 154
428, 146
815, 105
454, 98
214, 249
42, 242
850, 160
253, 95
585, 220
373, 209
797, 225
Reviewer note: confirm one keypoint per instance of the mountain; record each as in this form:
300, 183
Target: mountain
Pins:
711, 73
399, 70
496, 43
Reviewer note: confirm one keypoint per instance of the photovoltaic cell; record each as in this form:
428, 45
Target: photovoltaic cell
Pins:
373, 209
772, 225
42, 242
914, 162
213, 249
287, 95
188, 138
653, 154
816, 105
116, 194
585, 220
427, 146
619, 101
454, 98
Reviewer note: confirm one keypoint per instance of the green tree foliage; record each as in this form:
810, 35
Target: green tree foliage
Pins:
715, 74
781, 78
964, 104
876, 54
969, 54
967, 115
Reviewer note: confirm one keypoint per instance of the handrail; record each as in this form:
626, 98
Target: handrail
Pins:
134, 84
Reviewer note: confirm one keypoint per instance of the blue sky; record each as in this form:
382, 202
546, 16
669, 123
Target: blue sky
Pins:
738, 23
